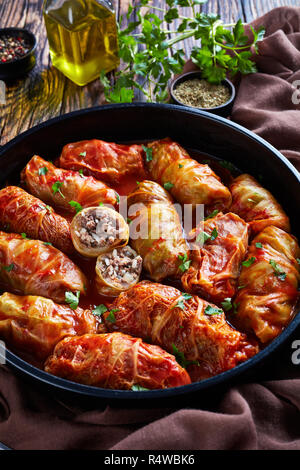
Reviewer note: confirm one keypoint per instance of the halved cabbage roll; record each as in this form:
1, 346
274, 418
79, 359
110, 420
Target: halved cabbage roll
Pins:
37, 268
219, 247
22, 213
115, 361
185, 325
155, 231
117, 270
35, 324
188, 181
97, 230
106, 161
59, 187
256, 205
268, 284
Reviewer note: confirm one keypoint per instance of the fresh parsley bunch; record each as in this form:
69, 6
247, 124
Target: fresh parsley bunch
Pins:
145, 49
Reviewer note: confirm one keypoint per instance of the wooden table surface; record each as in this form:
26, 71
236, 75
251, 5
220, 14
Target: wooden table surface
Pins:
46, 93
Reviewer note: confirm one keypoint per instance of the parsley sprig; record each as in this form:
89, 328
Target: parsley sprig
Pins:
277, 270
72, 299
181, 359
184, 266
144, 44
56, 188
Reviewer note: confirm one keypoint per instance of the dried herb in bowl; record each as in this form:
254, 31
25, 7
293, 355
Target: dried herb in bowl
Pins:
201, 94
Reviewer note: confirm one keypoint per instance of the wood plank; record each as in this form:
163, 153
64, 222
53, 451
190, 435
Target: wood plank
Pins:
46, 93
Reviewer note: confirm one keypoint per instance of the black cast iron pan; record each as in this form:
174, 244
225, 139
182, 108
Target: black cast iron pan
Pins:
197, 130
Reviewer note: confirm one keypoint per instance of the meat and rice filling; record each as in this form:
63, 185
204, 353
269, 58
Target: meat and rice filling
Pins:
122, 266
97, 229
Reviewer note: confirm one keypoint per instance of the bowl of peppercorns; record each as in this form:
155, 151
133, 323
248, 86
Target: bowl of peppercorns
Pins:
17, 52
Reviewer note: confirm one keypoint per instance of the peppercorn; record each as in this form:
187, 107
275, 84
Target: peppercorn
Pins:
12, 48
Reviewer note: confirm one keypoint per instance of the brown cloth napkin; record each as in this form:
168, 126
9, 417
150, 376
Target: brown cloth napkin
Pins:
261, 415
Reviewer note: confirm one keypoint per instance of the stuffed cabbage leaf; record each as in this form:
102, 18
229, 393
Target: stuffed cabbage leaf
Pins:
37, 268
268, 284
185, 325
117, 361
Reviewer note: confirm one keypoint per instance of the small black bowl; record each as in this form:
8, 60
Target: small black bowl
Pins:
22, 65
223, 110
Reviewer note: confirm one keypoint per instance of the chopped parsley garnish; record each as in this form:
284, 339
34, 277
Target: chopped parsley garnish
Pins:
214, 234
228, 165
72, 299
9, 268
184, 266
118, 197
227, 304
129, 220
148, 152
82, 154
43, 171
180, 165
241, 287
23, 235
168, 185
202, 237
100, 204
298, 260
56, 188
76, 205
81, 173
212, 214
99, 310
139, 388
235, 307
258, 245
138, 182
180, 302
49, 208
277, 271
47, 243
111, 317
249, 262
180, 358
210, 310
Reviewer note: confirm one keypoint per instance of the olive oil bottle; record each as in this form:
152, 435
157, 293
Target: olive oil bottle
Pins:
82, 37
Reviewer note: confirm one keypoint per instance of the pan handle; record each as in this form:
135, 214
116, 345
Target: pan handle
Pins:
4, 447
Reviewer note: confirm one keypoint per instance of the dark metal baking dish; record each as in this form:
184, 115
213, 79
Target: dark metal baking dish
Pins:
193, 129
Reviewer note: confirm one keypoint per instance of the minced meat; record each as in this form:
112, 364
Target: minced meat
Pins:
121, 266
97, 229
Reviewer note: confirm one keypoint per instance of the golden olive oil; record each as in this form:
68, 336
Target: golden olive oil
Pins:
82, 37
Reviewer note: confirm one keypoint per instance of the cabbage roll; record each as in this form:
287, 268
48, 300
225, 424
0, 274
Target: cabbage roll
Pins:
156, 232
268, 284
37, 268
117, 270
22, 213
188, 181
219, 247
185, 325
256, 205
97, 230
35, 324
115, 361
59, 187
106, 161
